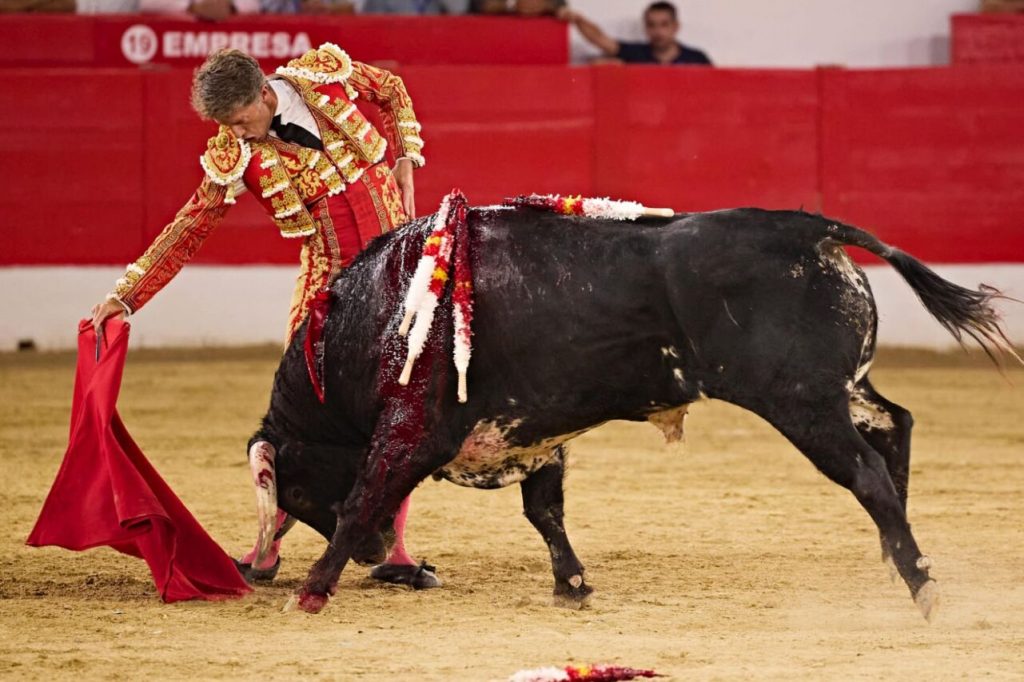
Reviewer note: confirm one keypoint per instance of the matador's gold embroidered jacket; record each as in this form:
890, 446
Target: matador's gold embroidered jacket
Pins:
286, 179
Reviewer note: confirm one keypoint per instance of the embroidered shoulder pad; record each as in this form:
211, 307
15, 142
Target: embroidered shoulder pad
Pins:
326, 64
226, 157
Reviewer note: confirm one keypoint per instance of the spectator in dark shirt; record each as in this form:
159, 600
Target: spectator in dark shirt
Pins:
661, 24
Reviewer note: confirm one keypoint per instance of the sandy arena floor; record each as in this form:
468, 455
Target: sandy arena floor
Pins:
727, 557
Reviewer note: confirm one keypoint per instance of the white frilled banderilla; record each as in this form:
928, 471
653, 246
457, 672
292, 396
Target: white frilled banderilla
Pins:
450, 235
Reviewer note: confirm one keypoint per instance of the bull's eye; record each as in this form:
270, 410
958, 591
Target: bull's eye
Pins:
295, 493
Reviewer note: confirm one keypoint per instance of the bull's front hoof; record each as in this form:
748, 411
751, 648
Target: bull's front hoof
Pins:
253, 575
422, 577
310, 602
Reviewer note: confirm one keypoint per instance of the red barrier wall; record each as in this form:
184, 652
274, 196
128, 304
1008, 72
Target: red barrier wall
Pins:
929, 159
699, 139
96, 162
182, 42
72, 181
988, 39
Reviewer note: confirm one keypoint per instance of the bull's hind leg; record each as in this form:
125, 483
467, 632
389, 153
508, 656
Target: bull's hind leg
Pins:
886, 427
826, 435
543, 506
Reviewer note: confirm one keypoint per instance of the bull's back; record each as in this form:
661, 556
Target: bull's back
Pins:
567, 302
657, 314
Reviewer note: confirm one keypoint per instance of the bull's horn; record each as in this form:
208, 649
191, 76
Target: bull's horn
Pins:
261, 463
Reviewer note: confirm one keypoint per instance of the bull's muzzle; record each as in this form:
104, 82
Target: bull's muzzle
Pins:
261, 463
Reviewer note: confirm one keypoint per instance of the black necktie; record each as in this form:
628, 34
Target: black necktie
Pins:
289, 132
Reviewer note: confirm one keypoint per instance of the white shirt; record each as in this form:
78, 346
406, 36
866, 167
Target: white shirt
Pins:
292, 108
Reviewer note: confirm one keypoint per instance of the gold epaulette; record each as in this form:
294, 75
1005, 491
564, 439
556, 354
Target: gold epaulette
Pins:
225, 160
326, 64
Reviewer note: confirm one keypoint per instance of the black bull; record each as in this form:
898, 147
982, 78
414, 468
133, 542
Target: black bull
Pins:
581, 321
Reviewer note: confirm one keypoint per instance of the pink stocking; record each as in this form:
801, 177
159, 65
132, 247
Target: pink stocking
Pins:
398, 554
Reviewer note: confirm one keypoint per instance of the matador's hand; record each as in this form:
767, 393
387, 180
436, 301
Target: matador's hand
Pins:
403, 178
101, 311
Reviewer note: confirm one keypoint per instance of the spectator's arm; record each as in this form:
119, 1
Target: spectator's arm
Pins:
590, 31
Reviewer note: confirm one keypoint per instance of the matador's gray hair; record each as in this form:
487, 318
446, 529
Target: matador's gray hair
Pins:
227, 80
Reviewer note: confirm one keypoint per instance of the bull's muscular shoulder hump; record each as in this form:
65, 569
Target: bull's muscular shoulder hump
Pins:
326, 64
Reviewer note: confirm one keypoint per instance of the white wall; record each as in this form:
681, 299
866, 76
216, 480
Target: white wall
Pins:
201, 306
244, 305
794, 33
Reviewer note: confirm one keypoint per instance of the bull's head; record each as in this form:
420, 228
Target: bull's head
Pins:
310, 483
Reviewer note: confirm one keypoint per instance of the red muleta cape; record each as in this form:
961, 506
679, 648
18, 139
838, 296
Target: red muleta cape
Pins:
107, 493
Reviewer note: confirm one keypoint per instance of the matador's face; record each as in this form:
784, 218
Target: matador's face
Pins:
252, 121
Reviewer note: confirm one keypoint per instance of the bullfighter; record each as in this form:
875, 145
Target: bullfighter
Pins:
298, 142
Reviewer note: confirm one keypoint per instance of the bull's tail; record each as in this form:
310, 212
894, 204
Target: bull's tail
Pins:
958, 309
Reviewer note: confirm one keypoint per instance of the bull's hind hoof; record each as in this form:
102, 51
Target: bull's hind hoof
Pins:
422, 577
253, 575
927, 599
306, 601
574, 595
573, 603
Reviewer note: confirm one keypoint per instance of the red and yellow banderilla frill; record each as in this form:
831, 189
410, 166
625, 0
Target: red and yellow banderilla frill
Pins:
449, 232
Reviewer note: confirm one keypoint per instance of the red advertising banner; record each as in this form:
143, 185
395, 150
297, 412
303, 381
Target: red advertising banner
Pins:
144, 40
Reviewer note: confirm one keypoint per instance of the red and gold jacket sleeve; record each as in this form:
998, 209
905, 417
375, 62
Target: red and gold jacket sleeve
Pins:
173, 247
386, 90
